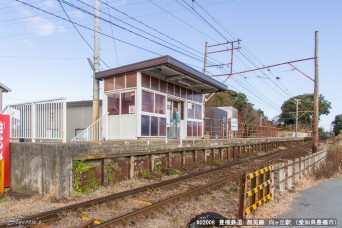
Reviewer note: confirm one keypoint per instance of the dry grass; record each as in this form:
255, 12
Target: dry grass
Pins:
12, 208
330, 168
331, 165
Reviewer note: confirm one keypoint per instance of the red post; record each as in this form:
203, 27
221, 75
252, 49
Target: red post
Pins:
5, 145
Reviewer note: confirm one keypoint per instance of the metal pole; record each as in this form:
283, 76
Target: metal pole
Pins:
297, 117
241, 202
316, 101
0, 99
96, 83
205, 58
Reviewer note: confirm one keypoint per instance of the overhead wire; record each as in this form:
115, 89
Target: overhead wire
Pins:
133, 32
247, 84
231, 34
204, 19
79, 33
150, 27
151, 1
78, 25
234, 37
90, 29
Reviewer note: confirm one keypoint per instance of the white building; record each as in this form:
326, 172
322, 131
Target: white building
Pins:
159, 98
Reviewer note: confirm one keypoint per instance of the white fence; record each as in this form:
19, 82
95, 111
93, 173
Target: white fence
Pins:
284, 175
39, 120
293, 134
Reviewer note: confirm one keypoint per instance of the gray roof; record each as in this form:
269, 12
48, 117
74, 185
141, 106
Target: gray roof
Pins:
82, 103
4, 88
169, 69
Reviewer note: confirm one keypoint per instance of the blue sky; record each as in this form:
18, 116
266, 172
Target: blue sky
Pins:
44, 57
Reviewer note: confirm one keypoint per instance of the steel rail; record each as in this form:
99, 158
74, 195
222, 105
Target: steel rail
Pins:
51, 215
121, 219
169, 200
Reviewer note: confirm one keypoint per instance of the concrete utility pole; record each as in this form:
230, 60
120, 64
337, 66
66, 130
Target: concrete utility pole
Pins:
96, 83
261, 119
297, 117
205, 58
3, 89
316, 100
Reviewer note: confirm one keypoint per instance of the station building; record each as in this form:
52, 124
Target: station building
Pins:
156, 98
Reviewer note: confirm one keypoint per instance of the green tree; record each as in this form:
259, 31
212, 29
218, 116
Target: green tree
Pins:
247, 114
305, 108
337, 124
228, 98
322, 134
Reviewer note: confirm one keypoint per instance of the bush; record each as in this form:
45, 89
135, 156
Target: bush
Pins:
331, 165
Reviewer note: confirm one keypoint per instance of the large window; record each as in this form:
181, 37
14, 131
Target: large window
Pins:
145, 125
154, 103
191, 110
160, 103
194, 129
147, 101
198, 111
189, 128
114, 104
128, 103
153, 126
194, 111
162, 126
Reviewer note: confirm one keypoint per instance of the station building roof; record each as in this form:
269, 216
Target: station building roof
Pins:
171, 70
4, 88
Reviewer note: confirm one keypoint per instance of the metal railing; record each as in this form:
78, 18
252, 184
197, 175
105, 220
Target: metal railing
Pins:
97, 131
217, 128
38, 120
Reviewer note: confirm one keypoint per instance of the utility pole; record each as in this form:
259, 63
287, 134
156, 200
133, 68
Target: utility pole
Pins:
229, 46
205, 58
316, 100
297, 117
96, 83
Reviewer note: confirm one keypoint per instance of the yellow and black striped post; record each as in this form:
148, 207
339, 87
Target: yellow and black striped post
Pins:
259, 192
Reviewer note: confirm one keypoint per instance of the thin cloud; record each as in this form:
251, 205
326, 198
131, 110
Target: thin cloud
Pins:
50, 4
44, 27
28, 43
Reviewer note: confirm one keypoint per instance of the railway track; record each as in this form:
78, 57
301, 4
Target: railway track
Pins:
212, 178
